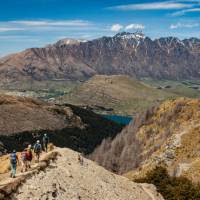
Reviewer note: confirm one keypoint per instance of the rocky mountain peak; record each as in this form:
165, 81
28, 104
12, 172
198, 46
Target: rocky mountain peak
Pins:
194, 40
69, 41
169, 42
132, 54
127, 35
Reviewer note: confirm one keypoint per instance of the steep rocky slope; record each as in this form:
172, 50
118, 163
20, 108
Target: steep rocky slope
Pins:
121, 93
26, 114
166, 135
68, 178
24, 120
125, 53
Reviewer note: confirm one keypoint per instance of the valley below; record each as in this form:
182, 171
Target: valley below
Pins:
108, 95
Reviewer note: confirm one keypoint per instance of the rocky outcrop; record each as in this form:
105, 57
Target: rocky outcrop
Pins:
24, 120
125, 53
68, 178
165, 135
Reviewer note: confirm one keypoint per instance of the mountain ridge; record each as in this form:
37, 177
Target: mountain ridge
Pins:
125, 53
61, 175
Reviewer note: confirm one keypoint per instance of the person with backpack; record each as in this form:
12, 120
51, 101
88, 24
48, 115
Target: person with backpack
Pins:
37, 150
13, 163
24, 160
29, 156
45, 142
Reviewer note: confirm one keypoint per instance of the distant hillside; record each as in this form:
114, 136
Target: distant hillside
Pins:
125, 53
24, 120
184, 88
166, 135
123, 94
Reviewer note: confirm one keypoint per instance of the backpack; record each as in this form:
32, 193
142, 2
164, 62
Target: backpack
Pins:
29, 154
23, 156
37, 148
45, 139
13, 158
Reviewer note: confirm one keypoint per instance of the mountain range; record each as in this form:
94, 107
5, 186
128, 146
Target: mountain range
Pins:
125, 53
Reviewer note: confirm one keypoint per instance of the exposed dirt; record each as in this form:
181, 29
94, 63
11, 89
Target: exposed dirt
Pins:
71, 177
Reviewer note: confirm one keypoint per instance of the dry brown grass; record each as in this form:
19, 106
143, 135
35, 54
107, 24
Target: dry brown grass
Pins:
150, 140
4, 164
123, 93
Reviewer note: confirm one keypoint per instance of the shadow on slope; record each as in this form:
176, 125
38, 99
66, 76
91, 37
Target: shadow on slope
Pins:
172, 188
79, 129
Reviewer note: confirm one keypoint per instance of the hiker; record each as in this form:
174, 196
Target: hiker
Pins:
29, 156
80, 159
45, 142
37, 150
24, 160
13, 163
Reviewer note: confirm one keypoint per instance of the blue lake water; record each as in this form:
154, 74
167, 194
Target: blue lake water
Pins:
119, 119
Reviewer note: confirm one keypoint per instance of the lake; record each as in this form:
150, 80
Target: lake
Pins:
119, 119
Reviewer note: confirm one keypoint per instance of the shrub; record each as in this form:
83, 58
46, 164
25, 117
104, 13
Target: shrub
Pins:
172, 188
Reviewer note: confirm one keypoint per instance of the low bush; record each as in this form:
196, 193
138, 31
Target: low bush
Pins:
172, 188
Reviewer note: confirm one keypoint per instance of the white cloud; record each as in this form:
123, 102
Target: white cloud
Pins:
5, 29
44, 25
181, 25
116, 27
166, 5
73, 23
17, 38
134, 26
183, 12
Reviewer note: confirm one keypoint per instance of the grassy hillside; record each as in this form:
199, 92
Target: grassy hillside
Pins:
123, 94
170, 138
166, 135
187, 88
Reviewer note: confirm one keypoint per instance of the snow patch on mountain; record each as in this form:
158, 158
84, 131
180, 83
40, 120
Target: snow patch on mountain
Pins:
126, 35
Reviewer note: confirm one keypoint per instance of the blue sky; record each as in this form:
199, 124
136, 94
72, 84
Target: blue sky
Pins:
36, 23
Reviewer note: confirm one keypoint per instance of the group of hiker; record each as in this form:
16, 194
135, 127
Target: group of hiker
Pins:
27, 155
